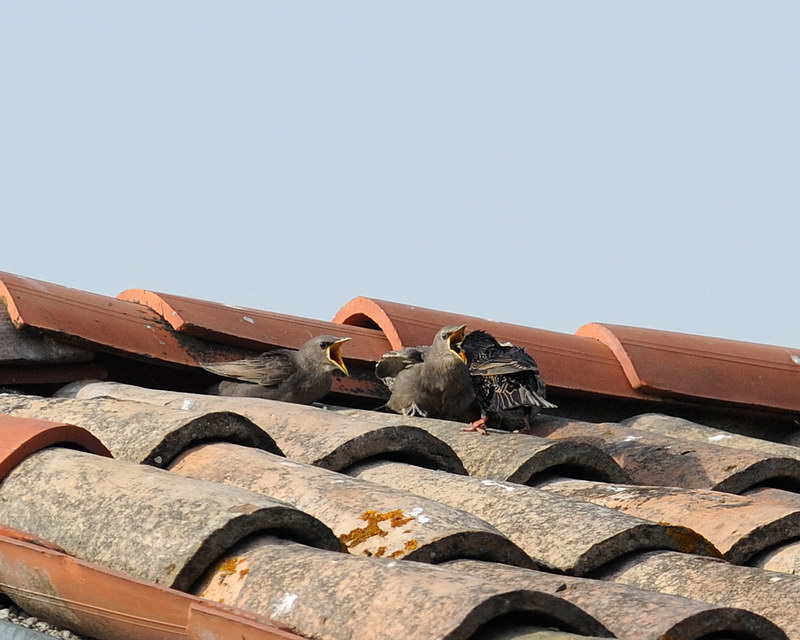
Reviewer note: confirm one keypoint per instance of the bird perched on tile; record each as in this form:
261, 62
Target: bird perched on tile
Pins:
508, 387
303, 376
431, 381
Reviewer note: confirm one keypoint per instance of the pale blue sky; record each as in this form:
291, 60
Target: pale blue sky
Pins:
544, 163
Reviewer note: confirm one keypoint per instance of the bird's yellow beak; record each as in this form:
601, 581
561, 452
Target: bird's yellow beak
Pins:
454, 342
335, 357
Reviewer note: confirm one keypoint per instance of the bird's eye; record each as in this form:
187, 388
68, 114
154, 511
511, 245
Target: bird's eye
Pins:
444, 336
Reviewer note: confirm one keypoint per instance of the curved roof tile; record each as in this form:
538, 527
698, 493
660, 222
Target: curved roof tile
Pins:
567, 362
691, 366
22, 437
253, 328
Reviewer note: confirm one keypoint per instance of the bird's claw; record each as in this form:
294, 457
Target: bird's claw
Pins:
413, 410
478, 425
526, 429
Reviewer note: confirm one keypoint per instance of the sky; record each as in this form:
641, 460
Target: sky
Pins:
548, 164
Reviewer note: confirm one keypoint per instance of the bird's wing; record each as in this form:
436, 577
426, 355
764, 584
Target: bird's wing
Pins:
510, 396
393, 362
268, 370
503, 361
495, 368
484, 390
510, 393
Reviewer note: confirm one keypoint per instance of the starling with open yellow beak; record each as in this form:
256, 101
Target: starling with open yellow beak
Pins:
433, 381
303, 376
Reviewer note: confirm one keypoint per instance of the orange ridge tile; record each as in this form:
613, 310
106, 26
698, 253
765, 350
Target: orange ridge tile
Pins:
82, 317
667, 363
30, 538
566, 361
22, 437
214, 621
103, 603
252, 328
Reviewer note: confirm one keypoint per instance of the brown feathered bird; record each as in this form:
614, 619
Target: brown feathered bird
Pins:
303, 376
432, 381
508, 387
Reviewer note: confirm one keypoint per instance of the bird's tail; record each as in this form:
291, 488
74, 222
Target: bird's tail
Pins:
214, 367
519, 397
539, 401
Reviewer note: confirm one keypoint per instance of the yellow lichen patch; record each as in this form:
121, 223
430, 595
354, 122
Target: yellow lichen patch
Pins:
410, 545
373, 519
227, 568
380, 551
225, 579
398, 518
690, 542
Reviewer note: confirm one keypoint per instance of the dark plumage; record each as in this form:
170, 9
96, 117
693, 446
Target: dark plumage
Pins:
431, 382
303, 376
508, 387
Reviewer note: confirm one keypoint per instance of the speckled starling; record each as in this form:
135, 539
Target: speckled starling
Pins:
508, 387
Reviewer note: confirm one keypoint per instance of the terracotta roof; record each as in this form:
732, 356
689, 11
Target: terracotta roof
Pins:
669, 363
567, 362
20, 438
624, 362
135, 506
90, 320
102, 603
263, 330
252, 328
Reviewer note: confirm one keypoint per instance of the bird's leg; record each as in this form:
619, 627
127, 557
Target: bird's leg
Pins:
527, 428
478, 425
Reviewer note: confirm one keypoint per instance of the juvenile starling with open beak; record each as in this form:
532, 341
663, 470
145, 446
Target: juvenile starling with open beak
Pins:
509, 389
432, 382
303, 376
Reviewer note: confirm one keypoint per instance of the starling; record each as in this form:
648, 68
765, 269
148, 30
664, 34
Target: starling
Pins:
431, 382
508, 387
303, 376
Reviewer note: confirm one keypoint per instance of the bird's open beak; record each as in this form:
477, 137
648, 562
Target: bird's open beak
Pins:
335, 357
454, 342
